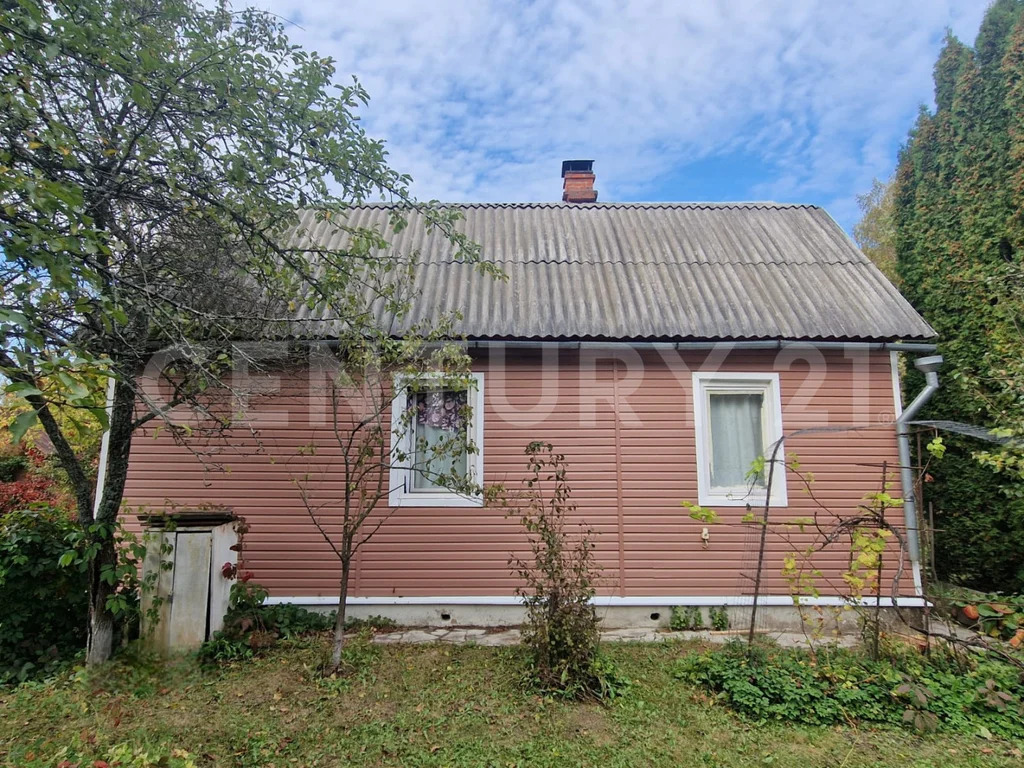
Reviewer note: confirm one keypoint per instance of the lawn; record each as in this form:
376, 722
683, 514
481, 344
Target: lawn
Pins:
421, 706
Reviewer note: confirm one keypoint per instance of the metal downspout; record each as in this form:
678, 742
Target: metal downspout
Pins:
929, 366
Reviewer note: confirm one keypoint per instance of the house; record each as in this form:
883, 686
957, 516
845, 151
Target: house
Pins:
662, 347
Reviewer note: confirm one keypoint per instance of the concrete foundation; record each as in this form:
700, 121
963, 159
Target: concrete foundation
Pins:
770, 618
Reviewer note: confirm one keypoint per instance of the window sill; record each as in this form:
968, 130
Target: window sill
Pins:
738, 499
434, 500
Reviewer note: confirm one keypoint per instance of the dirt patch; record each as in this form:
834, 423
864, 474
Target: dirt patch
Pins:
591, 721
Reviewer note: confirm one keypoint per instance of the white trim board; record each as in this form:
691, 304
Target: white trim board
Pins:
897, 389
609, 601
101, 465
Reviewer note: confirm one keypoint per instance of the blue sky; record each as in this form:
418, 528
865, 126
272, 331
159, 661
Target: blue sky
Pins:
785, 100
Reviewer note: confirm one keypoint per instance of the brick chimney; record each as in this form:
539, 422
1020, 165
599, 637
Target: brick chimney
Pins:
578, 184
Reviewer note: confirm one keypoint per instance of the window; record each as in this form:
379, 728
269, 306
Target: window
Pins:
431, 429
738, 418
438, 427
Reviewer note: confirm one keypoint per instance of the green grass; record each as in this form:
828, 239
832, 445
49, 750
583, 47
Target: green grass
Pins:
421, 706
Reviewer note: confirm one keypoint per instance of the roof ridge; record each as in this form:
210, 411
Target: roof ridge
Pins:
656, 262
748, 205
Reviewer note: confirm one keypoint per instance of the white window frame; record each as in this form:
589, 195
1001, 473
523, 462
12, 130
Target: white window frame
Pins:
765, 384
400, 485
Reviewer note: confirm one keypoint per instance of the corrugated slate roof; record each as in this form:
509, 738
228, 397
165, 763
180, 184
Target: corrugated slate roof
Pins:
645, 271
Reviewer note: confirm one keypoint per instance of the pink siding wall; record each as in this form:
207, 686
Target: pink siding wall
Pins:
629, 475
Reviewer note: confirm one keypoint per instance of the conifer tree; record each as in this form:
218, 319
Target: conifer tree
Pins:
959, 241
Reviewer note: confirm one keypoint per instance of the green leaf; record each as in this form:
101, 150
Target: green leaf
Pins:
140, 95
701, 514
77, 390
23, 389
101, 415
21, 424
936, 448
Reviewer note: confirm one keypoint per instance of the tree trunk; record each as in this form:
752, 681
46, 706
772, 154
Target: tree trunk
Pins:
101, 621
339, 624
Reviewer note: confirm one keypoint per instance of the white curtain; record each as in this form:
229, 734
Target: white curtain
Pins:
736, 438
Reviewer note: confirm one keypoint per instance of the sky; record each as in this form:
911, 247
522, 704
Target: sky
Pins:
683, 100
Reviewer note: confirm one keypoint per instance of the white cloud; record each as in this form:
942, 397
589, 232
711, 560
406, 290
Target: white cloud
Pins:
482, 100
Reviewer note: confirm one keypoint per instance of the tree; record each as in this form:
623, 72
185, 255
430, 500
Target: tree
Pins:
874, 232
959, 240
373, 431
154, 155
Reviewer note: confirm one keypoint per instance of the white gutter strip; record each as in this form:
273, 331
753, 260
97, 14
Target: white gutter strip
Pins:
609, 601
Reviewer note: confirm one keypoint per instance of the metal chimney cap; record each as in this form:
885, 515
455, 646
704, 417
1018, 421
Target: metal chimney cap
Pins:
583, 166
928, 364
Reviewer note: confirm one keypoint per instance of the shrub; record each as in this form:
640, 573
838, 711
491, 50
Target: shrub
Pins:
44, 605
24, 483
685, 619
11, 467
561, 631
291, 621
994, 615
839, 686
373, 623
719, 618
250, 626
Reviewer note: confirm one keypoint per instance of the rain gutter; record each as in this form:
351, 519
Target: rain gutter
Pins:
774, 344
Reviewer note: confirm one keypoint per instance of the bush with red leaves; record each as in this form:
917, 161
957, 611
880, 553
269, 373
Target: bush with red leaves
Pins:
27, 485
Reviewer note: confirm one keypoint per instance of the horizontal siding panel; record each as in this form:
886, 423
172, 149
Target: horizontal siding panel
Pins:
438, 551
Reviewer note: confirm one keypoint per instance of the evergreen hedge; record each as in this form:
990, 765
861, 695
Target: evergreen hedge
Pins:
959, 239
